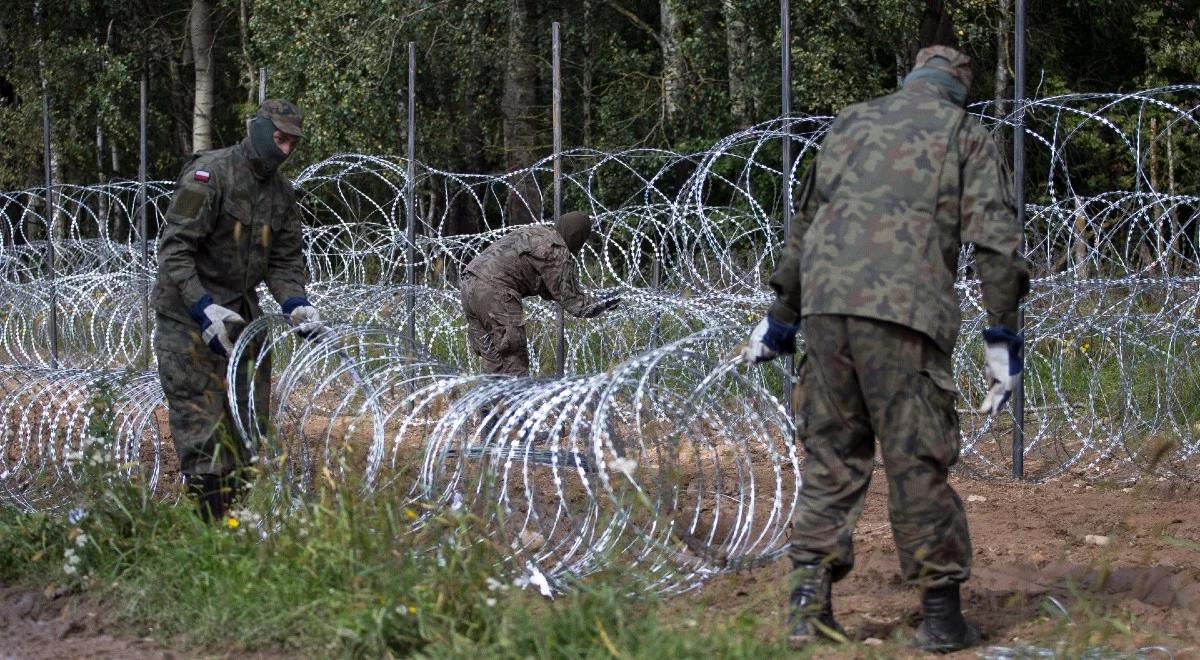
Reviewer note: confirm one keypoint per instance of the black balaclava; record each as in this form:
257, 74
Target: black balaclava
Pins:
265, 157
575, 228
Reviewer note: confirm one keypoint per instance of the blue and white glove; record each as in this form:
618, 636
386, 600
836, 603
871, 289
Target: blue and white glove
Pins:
1004, 364
769, 339
219, 326
304, 316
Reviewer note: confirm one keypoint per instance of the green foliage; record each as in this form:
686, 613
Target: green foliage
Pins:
345, 61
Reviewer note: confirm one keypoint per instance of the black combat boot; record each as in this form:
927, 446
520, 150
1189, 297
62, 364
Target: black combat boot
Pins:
811, 615
210, 501
944, 629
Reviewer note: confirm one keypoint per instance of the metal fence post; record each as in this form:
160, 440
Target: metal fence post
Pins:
142, 230
262, 84
785, 98
410, 299
1018, 396
561, 353
48, 217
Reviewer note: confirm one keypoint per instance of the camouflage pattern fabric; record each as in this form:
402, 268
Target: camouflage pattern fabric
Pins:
193, 378
285, 116
900, 184
530, 261
496, 328
860, 380
225, 232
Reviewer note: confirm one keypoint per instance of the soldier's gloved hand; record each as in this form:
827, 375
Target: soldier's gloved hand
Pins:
597, 308
1004, 363
304, 316
768, 339
219, 326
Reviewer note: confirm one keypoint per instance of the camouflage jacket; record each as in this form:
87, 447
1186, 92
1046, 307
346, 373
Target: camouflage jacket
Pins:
900, 183
532, 261
225, 232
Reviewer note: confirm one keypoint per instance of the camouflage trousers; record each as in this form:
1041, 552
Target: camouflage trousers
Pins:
201, 420
863, 380
495, 327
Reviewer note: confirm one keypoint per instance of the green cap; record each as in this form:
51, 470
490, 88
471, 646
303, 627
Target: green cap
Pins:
283, 114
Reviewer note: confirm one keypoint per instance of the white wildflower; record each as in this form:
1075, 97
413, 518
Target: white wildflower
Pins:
490, 602
69, 569
81, 540
624, 465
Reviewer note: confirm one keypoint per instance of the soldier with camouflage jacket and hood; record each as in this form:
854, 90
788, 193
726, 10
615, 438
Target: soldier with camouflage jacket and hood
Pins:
536, 260
901, 183
232, 224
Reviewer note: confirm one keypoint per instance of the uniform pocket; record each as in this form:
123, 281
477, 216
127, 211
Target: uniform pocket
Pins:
509, 333
941, 395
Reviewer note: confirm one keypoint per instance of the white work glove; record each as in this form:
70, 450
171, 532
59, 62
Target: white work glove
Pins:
768, 339
1004, 364
304, 316
219, 326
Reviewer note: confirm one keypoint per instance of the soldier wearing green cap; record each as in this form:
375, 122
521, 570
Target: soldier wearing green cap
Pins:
232, 224
901, 184
534, 260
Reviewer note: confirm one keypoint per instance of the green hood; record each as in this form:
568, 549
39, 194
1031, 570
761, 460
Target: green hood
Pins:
575, 228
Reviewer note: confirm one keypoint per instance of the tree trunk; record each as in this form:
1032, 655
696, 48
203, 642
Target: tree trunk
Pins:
251, 73
1000, 90
588, 57
523, 204
673, 67
737, 46
60, 219
200, 30
936, 26
180, 99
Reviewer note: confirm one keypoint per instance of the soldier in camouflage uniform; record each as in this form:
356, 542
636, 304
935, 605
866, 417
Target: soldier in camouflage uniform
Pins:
867, 275
232, 224
535, 260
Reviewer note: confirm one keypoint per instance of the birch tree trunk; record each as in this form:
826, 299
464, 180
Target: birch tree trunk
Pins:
200, 30
673, 68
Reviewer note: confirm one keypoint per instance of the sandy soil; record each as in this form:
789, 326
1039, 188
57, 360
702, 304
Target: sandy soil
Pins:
1030, 543
36, 625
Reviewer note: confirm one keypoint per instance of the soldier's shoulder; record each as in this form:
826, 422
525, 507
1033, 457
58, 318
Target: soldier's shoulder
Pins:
284, 186
208, 167
974, 137
546, 236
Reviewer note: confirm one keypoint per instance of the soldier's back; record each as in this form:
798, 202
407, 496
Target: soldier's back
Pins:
884, 242
513, 262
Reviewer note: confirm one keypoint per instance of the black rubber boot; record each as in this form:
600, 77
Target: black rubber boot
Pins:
811, 615
211, 502
944, 629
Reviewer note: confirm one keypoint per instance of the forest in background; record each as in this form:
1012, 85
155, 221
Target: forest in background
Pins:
676, 74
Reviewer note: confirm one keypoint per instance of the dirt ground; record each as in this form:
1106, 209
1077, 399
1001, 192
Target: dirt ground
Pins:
1030, 546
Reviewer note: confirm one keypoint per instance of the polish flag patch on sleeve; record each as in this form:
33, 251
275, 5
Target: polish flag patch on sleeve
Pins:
201, 176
